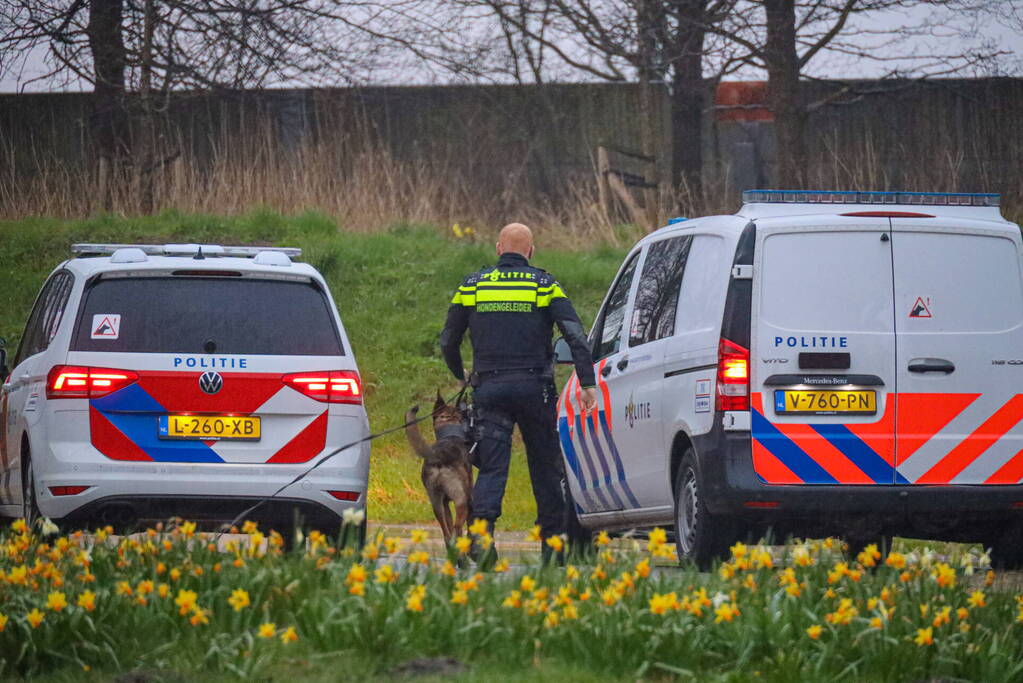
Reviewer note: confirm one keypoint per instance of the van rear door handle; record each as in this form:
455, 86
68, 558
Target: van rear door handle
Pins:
931, 365
623, 363
605, 371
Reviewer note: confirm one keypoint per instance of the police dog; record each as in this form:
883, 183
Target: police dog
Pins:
447, 474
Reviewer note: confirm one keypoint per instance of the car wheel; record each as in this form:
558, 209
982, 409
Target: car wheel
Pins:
700, 537
29, 504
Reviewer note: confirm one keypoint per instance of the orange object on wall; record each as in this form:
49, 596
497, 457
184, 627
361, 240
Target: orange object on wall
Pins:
742, 101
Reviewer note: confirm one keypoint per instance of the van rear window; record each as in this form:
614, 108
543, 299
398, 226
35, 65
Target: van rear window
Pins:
206, 315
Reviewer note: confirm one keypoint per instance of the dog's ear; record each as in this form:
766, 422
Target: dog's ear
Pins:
439, 403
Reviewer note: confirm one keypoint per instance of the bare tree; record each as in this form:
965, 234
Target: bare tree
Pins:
662, 44
783, 37
156, 47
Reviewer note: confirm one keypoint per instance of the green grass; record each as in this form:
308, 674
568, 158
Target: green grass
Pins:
392, 289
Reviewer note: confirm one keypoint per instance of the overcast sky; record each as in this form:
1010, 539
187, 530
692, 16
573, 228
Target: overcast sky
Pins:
955, 32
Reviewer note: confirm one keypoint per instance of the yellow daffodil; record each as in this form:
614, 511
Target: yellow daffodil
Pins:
199, 617
87, 601
267, 630
385, 574
459, 597
962, 613
56, 601
448, 569
188, 529
602, 539
502, 565
534, 534
814, 631
356, 574
124, 588
924, 636
478, 527
658, 537
976, 599
643, 568
418, 536
660, 604
725, 612
419, 557
462, 544
896, 560
185, 601
250, 527
551, 620
941, 617
414, 601
144, 587
35, 617
239, 599
163, 590
289, 635
357, 589
556, 543
527, 584
3, 622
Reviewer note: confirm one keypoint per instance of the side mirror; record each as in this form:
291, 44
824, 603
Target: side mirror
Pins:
562, 352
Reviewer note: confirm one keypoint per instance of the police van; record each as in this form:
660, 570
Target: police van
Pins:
844, 363
182, 380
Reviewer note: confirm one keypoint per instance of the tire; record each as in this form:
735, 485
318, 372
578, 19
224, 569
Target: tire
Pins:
29, 503
700, 536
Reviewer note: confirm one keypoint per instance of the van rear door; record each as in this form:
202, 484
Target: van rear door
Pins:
823, 357
959, 326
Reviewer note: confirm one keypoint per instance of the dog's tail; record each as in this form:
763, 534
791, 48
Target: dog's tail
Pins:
415, 437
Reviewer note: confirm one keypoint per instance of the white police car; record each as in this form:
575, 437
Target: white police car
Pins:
821, 362
182, 380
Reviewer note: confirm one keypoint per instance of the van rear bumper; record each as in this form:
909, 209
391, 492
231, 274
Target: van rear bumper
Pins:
733, 488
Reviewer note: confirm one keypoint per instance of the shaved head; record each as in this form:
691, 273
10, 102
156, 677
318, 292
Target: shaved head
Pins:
515, 238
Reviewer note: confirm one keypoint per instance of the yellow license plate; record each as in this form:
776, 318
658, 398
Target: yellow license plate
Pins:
209, 427
791, 402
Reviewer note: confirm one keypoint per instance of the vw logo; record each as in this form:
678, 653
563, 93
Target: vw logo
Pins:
211, 382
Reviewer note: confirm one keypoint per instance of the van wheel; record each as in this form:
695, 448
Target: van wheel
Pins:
29, 504
700, 537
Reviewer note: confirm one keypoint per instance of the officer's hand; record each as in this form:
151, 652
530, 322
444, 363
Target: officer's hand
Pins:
588, 401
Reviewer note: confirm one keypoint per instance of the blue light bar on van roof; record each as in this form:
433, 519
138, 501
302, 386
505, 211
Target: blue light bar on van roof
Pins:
841, 197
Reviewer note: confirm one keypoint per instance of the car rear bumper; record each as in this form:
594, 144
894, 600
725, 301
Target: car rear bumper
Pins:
201, 492
734, 488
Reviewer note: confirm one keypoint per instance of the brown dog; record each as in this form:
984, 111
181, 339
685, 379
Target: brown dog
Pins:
447, 474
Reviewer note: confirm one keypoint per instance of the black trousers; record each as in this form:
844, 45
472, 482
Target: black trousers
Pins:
530, 402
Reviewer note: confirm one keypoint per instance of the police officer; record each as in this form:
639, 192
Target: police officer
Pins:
509, 310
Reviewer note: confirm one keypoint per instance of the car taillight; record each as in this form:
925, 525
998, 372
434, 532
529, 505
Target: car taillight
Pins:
733, 376
73, 381
334, 386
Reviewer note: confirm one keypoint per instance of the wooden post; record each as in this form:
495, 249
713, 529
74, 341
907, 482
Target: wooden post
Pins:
603, 191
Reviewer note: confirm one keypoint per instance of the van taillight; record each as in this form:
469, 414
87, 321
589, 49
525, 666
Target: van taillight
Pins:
733, 376
334, 386
74, 381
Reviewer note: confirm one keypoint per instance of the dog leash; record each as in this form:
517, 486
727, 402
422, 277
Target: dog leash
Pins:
302, 475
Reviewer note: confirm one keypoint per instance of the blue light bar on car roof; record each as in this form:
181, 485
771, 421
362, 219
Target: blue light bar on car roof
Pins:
841, 197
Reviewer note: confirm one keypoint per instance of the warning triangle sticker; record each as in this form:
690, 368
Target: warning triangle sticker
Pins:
921, 308
106, 326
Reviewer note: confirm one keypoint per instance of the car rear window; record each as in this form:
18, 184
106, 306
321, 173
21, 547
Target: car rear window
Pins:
206, 315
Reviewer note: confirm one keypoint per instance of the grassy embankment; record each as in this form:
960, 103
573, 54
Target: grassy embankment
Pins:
392, 288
